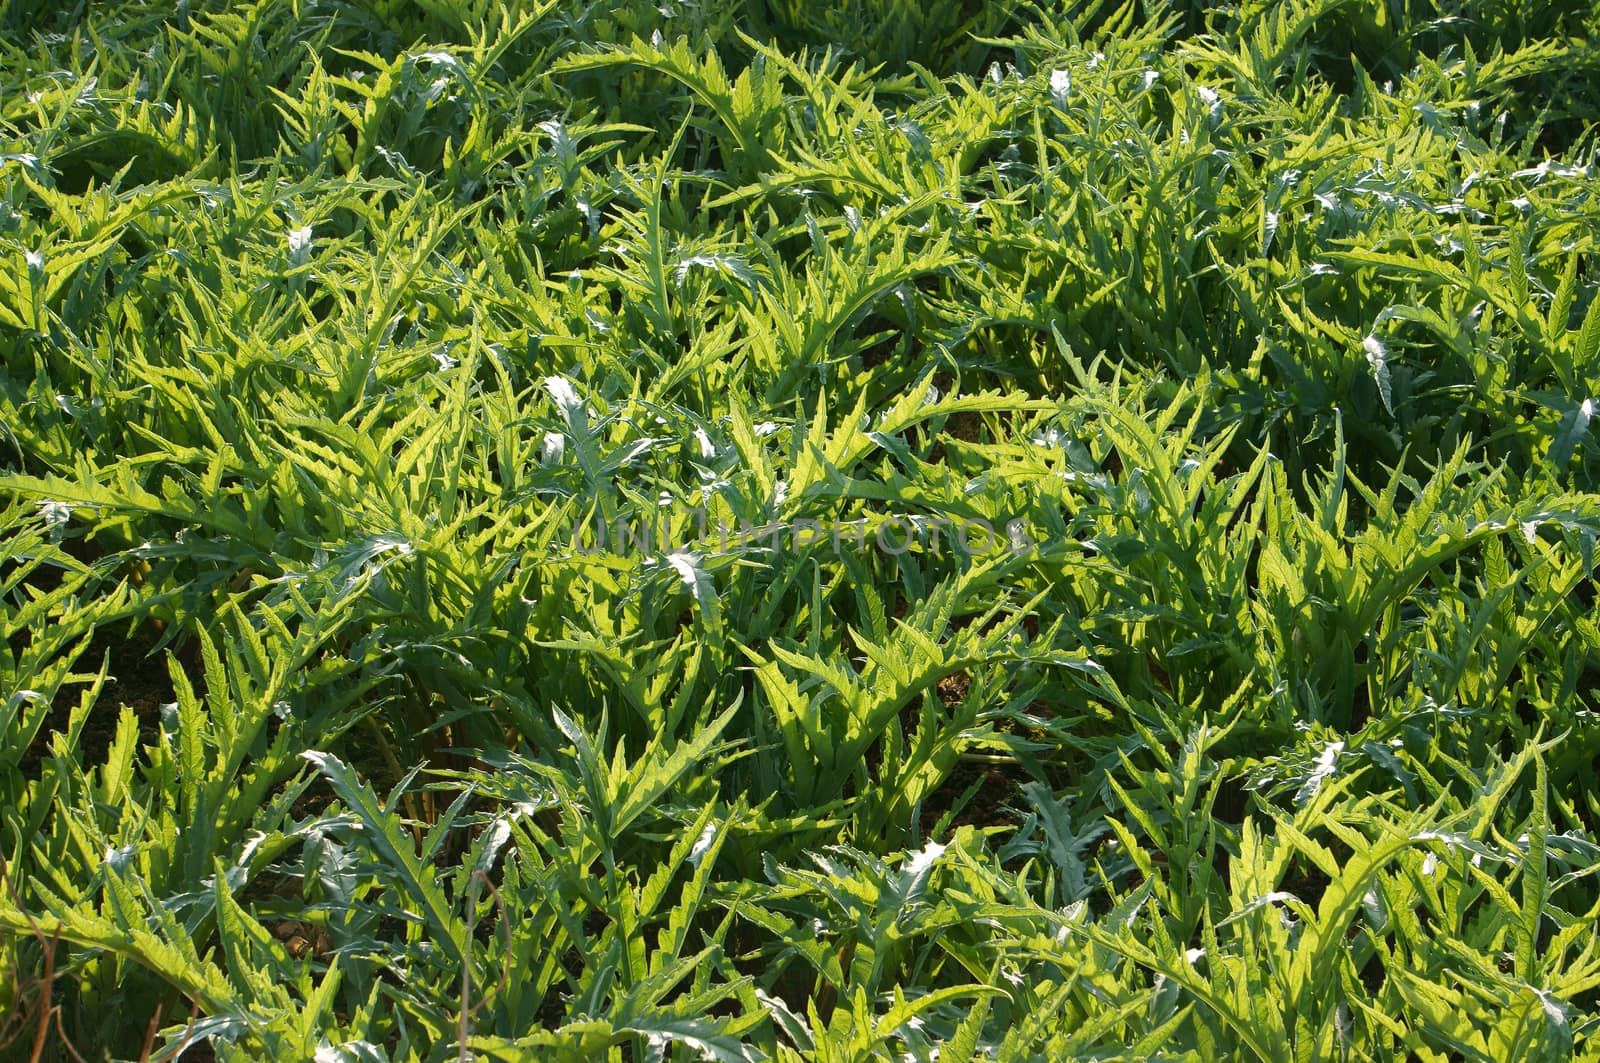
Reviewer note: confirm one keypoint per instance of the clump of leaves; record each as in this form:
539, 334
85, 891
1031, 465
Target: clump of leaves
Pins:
758, 530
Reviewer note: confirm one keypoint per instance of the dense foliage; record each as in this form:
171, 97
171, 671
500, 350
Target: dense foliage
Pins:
742, 529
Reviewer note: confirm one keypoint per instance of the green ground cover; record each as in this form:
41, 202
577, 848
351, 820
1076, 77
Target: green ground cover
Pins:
754, 529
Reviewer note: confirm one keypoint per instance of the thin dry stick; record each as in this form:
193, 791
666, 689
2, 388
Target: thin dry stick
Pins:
188, 1034
505, 935
46, 985
150, 1035
46, 991
469, 1009
65, 1043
